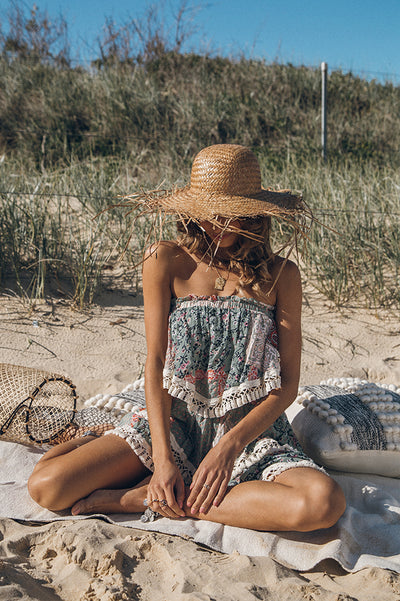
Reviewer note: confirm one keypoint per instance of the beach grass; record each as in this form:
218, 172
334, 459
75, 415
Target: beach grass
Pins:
74, 140
59, 231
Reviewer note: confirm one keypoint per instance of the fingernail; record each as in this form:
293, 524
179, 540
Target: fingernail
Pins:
188, 504
201, 510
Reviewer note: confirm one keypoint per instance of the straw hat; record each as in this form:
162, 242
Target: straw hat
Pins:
225, 182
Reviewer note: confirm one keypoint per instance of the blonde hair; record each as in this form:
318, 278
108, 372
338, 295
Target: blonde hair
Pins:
248, 257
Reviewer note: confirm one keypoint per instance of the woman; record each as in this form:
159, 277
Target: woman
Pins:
222, 318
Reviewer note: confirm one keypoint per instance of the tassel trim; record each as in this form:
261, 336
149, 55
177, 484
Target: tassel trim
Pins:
233, 398
138, 444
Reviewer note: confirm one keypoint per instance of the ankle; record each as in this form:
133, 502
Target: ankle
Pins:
132, 499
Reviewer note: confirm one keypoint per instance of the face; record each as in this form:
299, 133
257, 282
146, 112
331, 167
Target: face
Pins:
220, 237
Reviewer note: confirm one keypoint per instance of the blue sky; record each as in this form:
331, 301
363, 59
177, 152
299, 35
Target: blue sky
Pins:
357, 35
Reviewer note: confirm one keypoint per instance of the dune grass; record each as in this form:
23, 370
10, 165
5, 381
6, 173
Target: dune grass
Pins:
73, 140
59, 232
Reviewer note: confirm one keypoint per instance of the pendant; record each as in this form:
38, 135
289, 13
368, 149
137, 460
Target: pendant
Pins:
220, 283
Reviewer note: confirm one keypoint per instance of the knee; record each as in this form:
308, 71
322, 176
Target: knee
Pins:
320, 506
45, 487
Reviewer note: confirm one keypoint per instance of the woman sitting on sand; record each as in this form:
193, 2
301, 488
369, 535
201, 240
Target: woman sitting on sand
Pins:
222, 318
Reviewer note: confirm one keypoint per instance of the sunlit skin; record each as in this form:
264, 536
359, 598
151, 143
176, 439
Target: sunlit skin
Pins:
104, 475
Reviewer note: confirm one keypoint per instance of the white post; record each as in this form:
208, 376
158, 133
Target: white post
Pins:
324, 77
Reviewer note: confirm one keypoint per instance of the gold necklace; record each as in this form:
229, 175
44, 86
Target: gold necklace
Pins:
220, 281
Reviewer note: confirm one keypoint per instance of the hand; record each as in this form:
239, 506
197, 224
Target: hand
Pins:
167, 486
211, 479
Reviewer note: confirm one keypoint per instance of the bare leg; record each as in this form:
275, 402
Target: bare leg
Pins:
300, 499
75, 469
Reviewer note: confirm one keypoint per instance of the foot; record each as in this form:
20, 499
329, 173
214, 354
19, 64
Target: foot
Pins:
124, 500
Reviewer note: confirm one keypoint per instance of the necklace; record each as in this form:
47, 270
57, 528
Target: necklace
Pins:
220, 281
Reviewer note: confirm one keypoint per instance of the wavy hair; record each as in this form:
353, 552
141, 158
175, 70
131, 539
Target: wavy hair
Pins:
249, 257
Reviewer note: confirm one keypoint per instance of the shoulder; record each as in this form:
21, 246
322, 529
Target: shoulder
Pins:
284, 271
161, 254
163, 250
164, 260
287, 280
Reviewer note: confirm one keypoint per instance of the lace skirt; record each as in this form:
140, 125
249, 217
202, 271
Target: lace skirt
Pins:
192, 436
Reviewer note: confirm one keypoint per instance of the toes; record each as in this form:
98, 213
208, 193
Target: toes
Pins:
78, 508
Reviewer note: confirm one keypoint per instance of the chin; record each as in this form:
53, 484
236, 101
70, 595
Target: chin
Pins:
226, 241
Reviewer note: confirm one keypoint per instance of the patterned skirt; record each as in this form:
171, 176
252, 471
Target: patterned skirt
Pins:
192, 436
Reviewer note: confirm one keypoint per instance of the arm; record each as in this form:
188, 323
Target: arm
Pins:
216, 468
288, 322
166, 482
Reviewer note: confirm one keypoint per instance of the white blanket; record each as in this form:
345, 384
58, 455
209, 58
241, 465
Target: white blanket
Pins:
367, 535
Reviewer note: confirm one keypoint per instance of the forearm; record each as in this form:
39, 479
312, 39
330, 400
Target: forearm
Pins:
166, 484
158, 403
261, 417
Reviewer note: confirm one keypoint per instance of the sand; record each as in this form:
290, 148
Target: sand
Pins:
102, 349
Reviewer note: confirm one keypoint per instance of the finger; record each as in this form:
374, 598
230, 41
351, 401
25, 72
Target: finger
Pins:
159, 504
154, 495
222, 492
202, 496
180, 496
172, 503
208, 501
164, 509
194, 494
174, 508
180, 493
165, 503
196, 488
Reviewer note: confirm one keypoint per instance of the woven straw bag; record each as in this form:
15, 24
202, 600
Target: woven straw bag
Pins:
35, 406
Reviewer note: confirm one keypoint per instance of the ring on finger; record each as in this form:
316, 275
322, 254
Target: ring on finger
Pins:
154, 501
163, 503
206, 486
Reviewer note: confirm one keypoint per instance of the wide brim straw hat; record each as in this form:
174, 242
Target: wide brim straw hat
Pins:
225, 182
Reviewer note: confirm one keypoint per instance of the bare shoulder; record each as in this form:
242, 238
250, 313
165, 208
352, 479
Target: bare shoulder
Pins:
164, 250
162, 255
286, 274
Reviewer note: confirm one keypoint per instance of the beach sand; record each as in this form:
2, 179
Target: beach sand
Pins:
102, 349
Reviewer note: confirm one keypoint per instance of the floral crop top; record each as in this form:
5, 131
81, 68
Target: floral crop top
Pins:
222, 353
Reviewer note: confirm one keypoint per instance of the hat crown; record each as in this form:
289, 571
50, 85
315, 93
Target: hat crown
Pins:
226, 169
